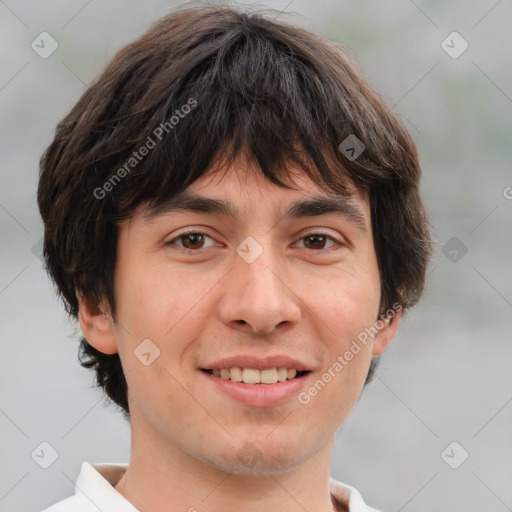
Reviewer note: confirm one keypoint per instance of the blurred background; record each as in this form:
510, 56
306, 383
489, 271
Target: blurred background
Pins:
432, 432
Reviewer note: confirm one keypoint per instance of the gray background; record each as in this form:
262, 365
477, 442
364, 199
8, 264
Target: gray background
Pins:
447, 375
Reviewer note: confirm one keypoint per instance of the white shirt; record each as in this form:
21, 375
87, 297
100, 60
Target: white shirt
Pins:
94, 491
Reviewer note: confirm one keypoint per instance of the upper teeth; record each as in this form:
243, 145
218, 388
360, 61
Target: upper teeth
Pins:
253, 376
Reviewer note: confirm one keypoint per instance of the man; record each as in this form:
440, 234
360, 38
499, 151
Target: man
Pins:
233, 216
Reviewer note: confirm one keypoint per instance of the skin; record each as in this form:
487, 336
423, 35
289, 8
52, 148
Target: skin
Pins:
308, 301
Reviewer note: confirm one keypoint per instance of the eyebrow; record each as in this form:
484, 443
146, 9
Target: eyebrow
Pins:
342, 206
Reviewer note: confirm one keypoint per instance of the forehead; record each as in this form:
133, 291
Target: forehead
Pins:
241, 178
238, 190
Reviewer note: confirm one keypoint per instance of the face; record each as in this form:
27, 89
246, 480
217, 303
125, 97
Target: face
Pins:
269, 282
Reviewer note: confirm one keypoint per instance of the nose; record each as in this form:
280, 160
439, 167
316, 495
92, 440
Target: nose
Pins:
258, 297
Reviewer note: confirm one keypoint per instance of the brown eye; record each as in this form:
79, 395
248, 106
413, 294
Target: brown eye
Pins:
315, 241
319, 241
191, 241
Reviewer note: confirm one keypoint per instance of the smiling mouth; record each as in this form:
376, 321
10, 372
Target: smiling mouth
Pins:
254, 376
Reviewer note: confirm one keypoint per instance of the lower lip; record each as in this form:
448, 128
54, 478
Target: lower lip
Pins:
259, 395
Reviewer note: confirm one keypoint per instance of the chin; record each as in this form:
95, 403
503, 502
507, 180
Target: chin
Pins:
264, 459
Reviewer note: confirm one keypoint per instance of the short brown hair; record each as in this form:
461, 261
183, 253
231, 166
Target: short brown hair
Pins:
272, 91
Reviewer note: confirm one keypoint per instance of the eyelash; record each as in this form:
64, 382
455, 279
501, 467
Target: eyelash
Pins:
197, 232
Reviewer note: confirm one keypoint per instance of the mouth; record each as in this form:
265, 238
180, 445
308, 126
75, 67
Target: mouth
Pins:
257, 380
267, 376
252, 387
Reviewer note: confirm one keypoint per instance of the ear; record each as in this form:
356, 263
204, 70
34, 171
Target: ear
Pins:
386, 334
97, 325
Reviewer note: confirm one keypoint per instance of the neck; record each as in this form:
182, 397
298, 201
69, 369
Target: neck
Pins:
160, 473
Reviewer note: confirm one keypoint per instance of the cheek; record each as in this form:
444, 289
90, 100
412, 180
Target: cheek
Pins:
145, 290
161, 302
345, 305
344, 310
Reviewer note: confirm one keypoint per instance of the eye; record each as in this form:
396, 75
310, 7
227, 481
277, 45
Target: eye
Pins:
190, 240
318, 241
196, 240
